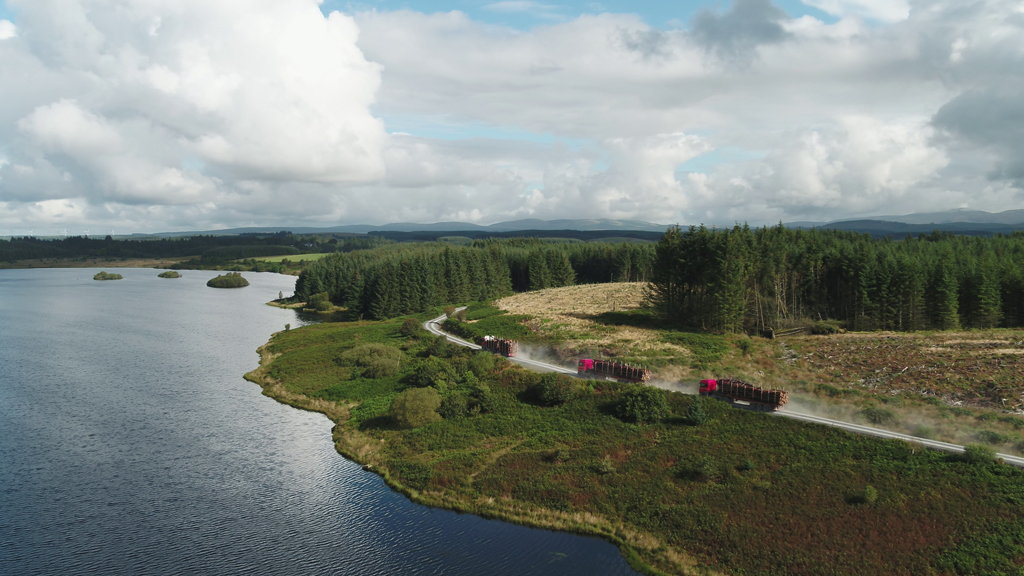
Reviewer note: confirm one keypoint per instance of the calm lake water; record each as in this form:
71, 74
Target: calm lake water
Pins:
130, 444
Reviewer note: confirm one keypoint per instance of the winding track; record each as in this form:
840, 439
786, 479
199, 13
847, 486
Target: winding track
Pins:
434, 327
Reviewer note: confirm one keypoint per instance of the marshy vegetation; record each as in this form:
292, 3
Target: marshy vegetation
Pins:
681, 484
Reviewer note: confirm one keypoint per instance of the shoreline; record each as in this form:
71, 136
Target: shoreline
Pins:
155, 263
359, 448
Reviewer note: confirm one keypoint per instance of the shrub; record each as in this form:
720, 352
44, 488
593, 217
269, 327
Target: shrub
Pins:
321, 302
365, 355
454, 406
416, 407
411, 327
878, 415
605, 465
745, 346
229, 280
169, 274
644, 405
106, 276
435, 372
990, 437
824, 328
978, 454
555, 389
439, 347
486, 401
870, 494
695, 412
482, 363
748, 465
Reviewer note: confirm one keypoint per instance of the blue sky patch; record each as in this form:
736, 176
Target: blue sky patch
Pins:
525, 14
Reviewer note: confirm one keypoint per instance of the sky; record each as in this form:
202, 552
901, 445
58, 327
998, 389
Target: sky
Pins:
163, 115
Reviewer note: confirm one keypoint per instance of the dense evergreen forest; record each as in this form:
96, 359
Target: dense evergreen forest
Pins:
213, 249
742, 279
407, 278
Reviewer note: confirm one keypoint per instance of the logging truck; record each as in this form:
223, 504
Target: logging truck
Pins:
589, 368
502, 346
739, 392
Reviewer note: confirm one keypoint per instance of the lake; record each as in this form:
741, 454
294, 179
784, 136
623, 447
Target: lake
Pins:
130, 444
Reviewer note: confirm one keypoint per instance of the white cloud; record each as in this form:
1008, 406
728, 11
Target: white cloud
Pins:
201, 113
130, 93
7, 30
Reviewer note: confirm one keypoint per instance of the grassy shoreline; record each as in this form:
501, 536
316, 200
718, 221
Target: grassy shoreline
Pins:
677, 498
358, 448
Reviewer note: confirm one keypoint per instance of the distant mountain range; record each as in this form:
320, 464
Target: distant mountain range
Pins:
602, 224
968, 222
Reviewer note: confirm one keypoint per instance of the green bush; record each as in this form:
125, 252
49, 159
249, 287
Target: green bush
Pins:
439, 347
106, 276
169, 274
605, 465
878, 415
485, 400
454, 406
696, 414
824, 328
978, 454
556, 389
991, 437
436, 372
870, 495
644, 405
482, 363
745, 345
229, 280
416, 407
410, 328
321, 302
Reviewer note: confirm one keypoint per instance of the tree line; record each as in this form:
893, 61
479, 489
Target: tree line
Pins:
403, 279
211, 248
744, 279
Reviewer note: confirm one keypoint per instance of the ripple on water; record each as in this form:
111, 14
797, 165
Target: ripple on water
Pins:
131, 445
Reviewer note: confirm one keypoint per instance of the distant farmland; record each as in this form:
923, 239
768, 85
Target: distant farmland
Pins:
295, 257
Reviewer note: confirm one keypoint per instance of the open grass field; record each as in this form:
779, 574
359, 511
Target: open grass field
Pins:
960, 387
295, 257
742, 492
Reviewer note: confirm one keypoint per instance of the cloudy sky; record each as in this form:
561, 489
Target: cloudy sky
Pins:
153, 115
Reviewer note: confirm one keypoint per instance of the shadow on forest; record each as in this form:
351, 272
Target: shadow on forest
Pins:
379, 423
639, 318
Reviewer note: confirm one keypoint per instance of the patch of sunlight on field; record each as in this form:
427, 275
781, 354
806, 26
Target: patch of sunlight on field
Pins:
295, 257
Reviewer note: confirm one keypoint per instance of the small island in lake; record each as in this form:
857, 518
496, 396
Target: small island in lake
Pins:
105, 276
169, 274
229, 280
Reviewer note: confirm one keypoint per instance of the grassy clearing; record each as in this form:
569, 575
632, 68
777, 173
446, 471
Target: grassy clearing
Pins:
678, 498
961, 387
293, 257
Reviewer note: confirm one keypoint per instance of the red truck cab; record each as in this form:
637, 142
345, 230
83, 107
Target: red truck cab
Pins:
585, 365
708, 386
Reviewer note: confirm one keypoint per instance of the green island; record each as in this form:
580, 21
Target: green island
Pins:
169, 274
107, 276
229, 280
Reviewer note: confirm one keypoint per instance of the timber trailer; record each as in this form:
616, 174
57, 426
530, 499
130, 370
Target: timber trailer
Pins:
503, 346
743, 394
589, 368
